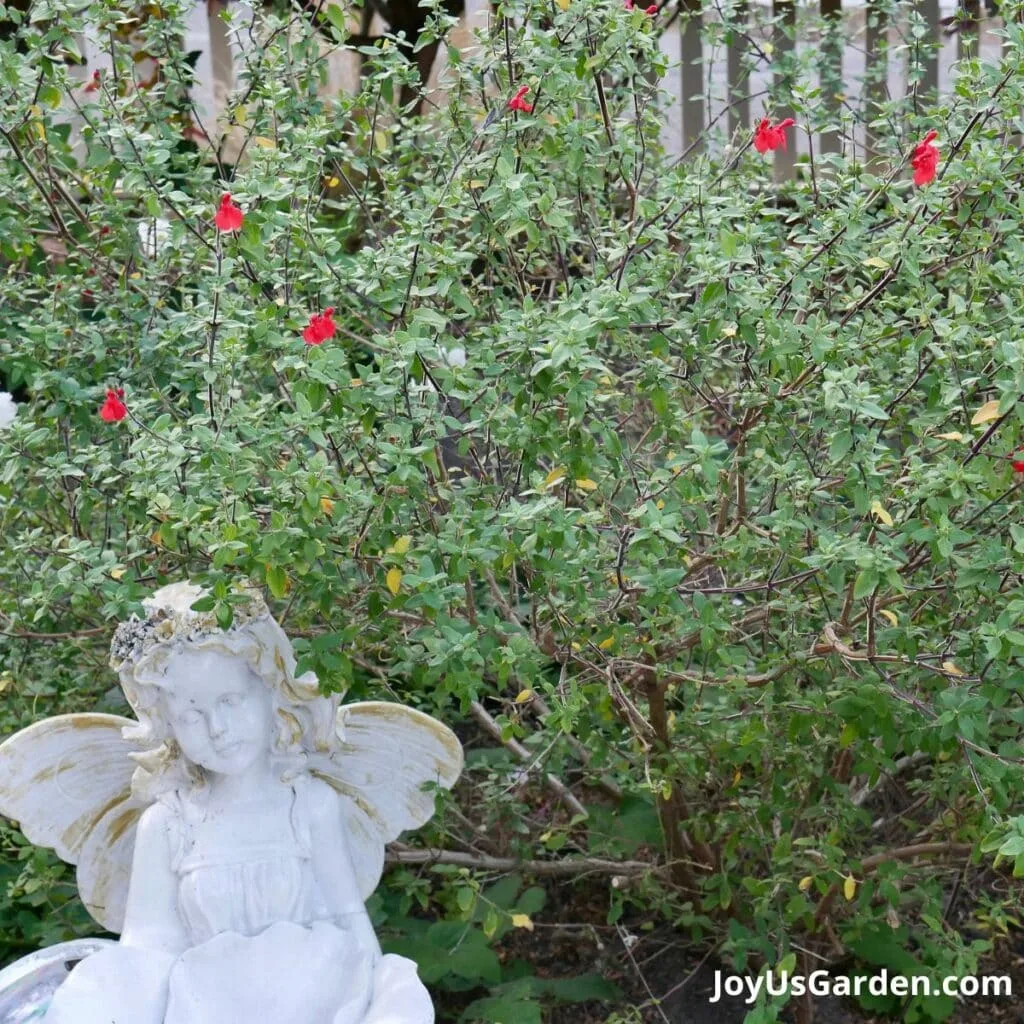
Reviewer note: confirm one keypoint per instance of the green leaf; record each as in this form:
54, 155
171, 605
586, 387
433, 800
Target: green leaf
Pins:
336, 14
865, 583
503, 1010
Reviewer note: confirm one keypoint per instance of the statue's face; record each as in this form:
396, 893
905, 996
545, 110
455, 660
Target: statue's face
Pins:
220, 711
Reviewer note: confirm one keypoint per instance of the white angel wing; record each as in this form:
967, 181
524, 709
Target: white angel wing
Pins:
384, 755
66, 781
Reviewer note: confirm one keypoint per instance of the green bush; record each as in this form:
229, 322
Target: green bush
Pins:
723, 480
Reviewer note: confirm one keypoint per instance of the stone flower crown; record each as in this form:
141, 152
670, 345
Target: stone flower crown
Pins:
170, 618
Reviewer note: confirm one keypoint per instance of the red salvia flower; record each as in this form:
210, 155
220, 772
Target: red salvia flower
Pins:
228, 217
113, 409
771, 136
518, 103
653, 9
1018, 462
320, 327
93, 84
925, 159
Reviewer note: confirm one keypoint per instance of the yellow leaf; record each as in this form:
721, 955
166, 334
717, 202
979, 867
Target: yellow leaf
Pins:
767, 49
327, 506
522, 921
891, 616
737, 777
381, 140
356, 382
477, 183
117, 573
805, 883
876, 261
264, 143
135, 275
850, 887
394, 580
989, 411
671, 719
333, 182
401, 546
558, 473
524, 695
953, 436
607, 644
951, 668
586, 485
563, 4
729, 332
37, 123
5, 682
878, 510
659, 504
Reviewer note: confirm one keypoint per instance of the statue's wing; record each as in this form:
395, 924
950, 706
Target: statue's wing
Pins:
66, 781
384, 755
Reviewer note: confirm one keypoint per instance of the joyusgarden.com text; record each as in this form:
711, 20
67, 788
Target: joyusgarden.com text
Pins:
821, 983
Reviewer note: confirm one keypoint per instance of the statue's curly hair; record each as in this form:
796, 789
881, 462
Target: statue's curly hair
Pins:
305, 717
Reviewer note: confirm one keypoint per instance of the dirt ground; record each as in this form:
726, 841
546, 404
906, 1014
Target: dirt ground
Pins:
660, 964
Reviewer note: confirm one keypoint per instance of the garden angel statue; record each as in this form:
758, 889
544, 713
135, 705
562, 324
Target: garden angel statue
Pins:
232, 833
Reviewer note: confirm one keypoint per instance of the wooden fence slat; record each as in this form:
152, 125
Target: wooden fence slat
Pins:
876, 71
830, 70
930, 58
784, 42
692, 76
738, 81
197, 37
968, 36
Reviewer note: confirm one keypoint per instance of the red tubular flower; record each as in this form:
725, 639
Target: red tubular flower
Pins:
228, 217
518, 103
93, 84
925, 160
653, 9
771, 136
113, 409
320, 327
1017, 463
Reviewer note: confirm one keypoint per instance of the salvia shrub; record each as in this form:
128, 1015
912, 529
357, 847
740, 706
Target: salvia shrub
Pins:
698, 486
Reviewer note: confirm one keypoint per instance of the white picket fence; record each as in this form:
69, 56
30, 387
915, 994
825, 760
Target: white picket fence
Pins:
704, 73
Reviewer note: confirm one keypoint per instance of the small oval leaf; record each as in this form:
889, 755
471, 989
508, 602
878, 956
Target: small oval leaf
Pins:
989, 411
394, 580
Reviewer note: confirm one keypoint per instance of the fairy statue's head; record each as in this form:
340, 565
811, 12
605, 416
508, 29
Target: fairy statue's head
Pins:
215, 700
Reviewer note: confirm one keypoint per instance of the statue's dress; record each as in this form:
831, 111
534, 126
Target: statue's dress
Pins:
262, 946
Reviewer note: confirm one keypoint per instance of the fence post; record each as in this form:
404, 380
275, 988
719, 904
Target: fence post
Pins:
692, 76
